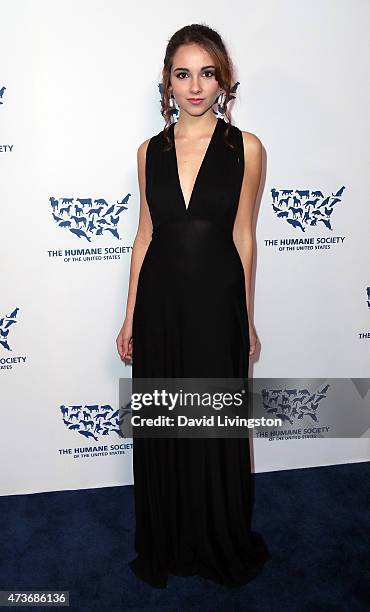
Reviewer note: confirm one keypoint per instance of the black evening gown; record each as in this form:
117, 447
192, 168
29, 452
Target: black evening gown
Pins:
193, 495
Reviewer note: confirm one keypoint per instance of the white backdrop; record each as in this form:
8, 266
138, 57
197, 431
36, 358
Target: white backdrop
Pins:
78, 93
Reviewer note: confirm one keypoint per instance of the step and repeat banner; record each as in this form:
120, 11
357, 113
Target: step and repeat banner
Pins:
78, 94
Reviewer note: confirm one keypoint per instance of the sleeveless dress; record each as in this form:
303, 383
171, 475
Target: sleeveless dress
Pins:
193, 496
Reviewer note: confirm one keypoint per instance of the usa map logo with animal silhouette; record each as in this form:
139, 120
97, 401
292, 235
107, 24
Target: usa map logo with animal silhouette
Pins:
92, 420
87, 217
293, 404
303, 209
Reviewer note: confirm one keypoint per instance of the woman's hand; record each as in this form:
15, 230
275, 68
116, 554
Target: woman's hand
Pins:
252, 339
124, 342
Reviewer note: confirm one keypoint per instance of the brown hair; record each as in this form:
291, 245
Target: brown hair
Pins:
212, 42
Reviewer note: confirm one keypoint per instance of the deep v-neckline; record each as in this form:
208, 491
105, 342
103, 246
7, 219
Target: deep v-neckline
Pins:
201, 167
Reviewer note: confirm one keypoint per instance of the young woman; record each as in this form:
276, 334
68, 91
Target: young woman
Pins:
187, 315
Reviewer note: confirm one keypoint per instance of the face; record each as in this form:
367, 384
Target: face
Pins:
193, 78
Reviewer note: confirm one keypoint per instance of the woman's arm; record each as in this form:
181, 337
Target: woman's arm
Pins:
143, 234
243, 226
140, 246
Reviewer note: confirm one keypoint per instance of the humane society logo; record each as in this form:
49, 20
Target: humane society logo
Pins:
368, 296
93, 422
296, 408
86, 220
7, 322
304, 210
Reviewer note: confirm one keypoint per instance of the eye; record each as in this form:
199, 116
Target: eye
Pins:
180, 75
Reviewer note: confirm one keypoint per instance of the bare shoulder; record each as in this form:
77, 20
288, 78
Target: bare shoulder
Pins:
141, 152
252, 146
145, 223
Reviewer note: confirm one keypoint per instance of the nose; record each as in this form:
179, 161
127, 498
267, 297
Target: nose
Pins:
195, 88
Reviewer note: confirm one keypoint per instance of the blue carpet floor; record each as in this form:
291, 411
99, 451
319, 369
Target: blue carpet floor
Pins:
316, 523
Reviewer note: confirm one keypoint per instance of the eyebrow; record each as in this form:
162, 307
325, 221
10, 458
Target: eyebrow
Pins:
187, 69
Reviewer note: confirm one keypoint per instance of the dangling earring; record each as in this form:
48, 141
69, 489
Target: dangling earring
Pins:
174, 108
222, 101
173, 105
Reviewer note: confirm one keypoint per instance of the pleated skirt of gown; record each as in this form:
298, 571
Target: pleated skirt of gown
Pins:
193, 496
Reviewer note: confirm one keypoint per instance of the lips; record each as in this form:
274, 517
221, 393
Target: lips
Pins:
195, 100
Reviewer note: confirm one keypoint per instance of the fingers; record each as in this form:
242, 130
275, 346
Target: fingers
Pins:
253, 345
119, 344
122, 344
129, 349
125, 349
128, 356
